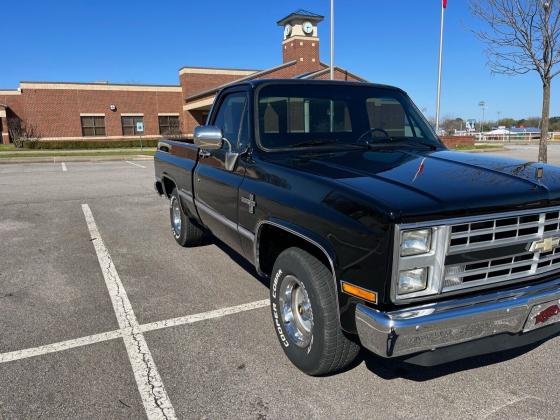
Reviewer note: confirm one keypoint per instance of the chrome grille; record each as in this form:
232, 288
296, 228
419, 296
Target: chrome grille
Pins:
517, 231
479, 273
503, 231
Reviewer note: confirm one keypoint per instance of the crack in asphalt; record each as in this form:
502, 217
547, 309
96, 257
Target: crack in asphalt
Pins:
132, 324
155, 398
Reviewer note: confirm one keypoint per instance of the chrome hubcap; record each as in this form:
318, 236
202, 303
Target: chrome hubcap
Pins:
296, 312
176, 217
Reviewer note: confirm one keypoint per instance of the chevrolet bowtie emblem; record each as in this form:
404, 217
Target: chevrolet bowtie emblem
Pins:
545, 245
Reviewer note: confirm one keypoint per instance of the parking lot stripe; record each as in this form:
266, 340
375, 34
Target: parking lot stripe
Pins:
61, 346
64, 168
218, 313
112, 335
135, 164
154, 396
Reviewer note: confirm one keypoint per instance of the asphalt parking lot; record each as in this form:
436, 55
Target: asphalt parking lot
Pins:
530, 152
103, 315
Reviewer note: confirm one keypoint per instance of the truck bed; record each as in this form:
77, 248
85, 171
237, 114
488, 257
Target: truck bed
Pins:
175, 161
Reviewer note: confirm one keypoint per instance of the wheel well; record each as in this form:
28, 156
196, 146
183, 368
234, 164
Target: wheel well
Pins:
168, 186
273, 240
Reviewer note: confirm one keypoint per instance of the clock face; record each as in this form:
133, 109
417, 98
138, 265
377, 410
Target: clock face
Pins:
287, 30
308, 27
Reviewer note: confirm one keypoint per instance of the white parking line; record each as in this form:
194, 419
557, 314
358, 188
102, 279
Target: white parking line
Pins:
135, 164
61, 346
111, 335
64, 168
155, 398
190, 319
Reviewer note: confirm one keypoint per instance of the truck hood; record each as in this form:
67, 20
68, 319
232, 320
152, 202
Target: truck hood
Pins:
410, 185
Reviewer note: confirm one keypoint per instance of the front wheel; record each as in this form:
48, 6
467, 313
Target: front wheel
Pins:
305, 314
185, 232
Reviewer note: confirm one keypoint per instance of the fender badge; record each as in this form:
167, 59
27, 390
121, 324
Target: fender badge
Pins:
250, 201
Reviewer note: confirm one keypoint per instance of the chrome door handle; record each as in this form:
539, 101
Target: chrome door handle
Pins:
203, 153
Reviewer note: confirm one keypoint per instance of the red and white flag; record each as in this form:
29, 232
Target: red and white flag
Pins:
444, 4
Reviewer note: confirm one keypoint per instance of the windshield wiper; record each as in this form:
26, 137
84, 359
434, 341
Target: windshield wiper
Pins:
415, 141
323, 142
397, 141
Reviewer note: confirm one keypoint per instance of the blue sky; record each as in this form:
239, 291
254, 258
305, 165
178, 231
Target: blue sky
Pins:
393, 42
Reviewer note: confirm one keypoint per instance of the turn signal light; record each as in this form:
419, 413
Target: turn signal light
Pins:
359, 292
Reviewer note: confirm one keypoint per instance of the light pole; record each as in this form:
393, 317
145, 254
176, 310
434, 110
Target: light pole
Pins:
332, 41
482, 105
440, 63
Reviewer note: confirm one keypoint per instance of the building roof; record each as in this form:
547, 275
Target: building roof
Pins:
98, 83
325, 70
525, 130
301, 13
514, 130
216, 70
24, 85
249, 77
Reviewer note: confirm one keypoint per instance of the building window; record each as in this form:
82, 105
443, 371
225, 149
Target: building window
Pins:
93, 126
169, 124
129, 125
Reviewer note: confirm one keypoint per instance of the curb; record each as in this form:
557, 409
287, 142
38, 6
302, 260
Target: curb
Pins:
58, 159
494, 149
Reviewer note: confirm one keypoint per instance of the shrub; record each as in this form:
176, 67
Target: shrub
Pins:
90, 144
22, 132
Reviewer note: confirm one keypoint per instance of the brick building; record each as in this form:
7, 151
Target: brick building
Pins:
104, 110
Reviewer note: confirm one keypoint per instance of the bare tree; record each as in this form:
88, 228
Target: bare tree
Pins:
22, 131
523, 36
451, 124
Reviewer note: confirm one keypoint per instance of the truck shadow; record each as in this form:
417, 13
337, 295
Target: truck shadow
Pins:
238, 259
390, 369
393, 369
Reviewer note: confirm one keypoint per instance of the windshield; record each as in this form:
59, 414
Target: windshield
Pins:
317, 115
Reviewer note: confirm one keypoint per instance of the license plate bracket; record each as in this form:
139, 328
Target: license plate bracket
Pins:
542, 315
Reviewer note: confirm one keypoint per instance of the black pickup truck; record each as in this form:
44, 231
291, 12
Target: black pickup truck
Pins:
371, 232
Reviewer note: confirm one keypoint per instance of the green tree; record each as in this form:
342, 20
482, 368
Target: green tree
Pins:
555, 124
507, 122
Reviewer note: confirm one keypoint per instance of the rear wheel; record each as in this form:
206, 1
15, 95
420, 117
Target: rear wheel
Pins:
185, 232
305, 314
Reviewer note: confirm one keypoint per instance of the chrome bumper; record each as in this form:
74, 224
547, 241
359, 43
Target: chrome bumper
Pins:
442, 324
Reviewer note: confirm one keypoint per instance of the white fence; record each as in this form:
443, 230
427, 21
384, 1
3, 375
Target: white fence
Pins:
524, 138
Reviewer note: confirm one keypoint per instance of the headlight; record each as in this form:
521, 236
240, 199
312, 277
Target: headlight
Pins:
416, 242
419, 261
411, 281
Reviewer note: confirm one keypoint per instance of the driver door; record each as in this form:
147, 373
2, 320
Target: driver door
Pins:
216, 188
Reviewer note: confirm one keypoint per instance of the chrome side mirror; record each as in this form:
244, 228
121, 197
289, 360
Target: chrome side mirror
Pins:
208, 137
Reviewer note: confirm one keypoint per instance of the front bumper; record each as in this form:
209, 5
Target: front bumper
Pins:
433, 326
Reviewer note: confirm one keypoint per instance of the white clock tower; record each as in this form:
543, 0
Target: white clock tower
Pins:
301, 37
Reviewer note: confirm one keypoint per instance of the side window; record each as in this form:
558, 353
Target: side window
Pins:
412, 129
389, 114
232, 118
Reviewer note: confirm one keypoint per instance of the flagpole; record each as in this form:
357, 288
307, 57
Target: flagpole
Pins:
443, 6
332, 40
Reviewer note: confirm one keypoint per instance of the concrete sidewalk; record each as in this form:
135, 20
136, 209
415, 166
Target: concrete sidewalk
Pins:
57, 159
78, 155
